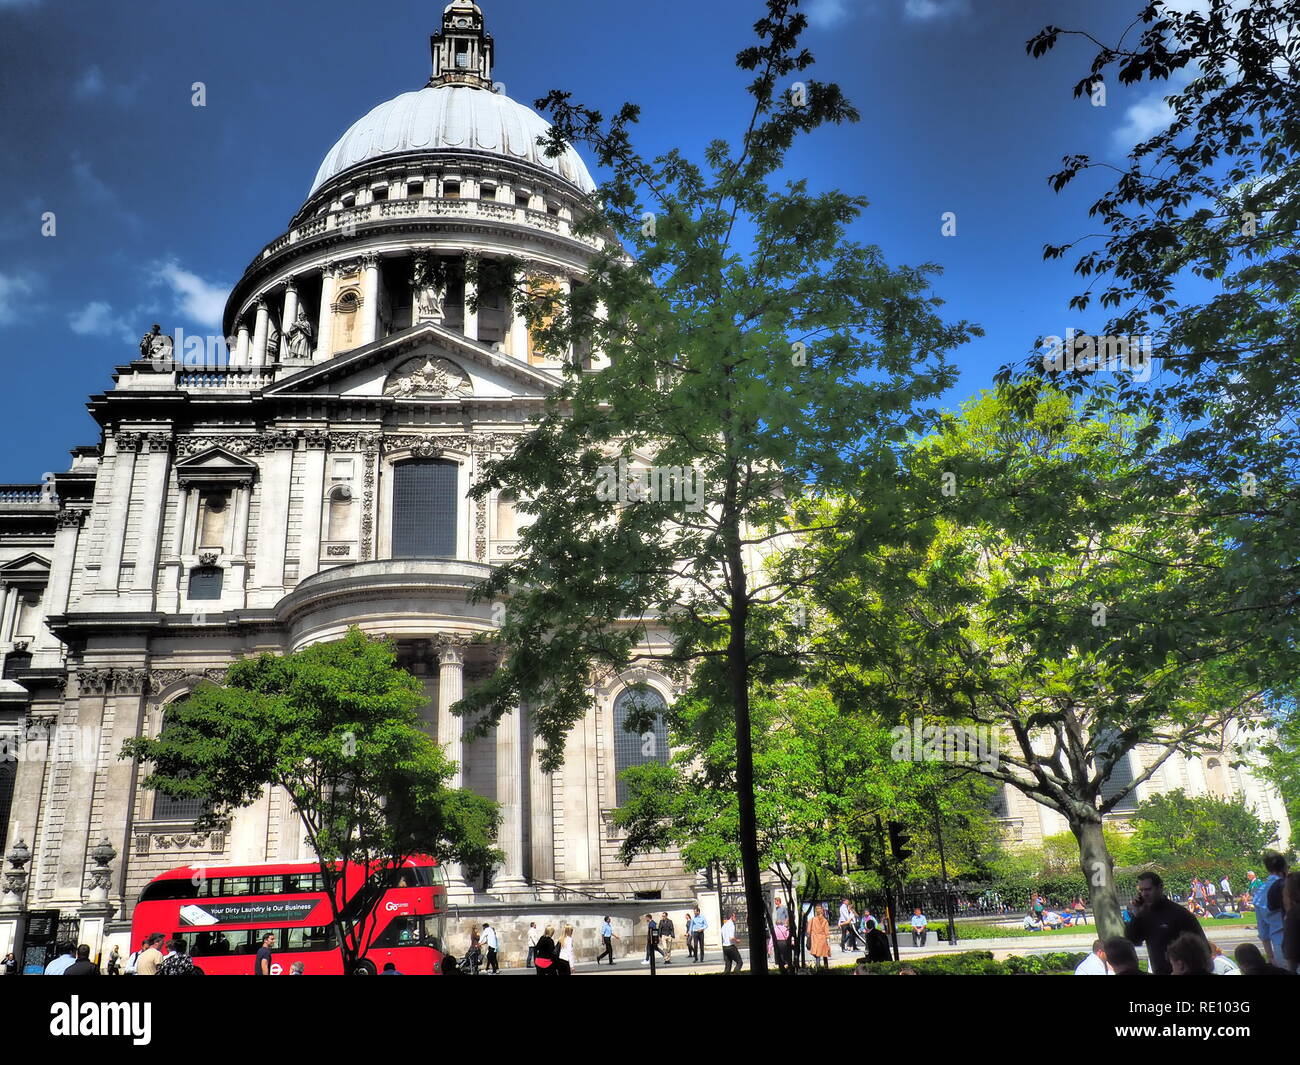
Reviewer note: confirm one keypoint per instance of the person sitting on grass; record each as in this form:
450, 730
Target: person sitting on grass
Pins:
1221, 963
1052, 919
1032, 923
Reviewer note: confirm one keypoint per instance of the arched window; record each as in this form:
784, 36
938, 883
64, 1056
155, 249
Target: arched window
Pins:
165, 808
1121, 777
647, 738
425, 495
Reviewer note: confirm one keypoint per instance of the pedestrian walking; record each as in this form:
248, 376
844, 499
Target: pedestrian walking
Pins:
1158, 921
846, 923
150, 958
178, 962
83, 966
475, 953
10, 965
782, 945
262, 963
1274, 907
666, 933
819, 937
730, 952
781, 912
651, 939
533, 937
1225, 889
607, 936
564, 959
115, 962
920, 927
490, 944
544, 953
697, 926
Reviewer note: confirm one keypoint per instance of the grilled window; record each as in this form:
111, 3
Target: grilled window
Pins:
638, 744
205, 583
424, 509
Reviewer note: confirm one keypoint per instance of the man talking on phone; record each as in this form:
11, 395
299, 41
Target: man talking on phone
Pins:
1158, 921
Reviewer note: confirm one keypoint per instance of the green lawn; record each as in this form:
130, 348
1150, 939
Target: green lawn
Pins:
991, 931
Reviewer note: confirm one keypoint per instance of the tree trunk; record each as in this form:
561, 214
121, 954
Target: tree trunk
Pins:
738, 677
1099, 873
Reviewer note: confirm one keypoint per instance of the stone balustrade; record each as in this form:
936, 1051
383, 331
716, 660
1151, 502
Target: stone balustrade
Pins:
425, 207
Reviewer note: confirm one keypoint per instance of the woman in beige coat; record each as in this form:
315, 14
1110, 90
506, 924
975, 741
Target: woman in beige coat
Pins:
819, 938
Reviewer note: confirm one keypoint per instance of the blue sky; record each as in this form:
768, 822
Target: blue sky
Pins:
160, 205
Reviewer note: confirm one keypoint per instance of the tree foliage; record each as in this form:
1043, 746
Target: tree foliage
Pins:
1218, 834
743, 340
336, 726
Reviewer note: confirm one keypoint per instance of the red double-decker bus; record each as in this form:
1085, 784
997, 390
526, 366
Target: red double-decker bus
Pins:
222, 913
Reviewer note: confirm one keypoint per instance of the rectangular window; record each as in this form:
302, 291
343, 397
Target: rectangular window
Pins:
380, 194
205, 583
487, 191
522, 199
424, 509
415, 188
29, 615
451, 190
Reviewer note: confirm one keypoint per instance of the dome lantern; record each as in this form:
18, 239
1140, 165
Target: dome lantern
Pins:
462, 50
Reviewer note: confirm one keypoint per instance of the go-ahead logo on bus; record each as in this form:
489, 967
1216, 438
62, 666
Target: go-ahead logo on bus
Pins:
247, 912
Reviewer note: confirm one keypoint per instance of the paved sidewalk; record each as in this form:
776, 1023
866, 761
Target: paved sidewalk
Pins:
630, 965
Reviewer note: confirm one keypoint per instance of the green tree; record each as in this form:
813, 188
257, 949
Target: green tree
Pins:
336, 726
1281, 765
752, 349
822, 777
1034, 596
1197, 256
1176, 828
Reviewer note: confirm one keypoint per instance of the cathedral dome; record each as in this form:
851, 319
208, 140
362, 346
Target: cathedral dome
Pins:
451, 117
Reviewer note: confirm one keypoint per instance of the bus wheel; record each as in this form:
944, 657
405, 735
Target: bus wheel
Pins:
363, 968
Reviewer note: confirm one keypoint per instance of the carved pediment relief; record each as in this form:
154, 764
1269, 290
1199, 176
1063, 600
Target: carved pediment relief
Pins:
216, 465
428, 375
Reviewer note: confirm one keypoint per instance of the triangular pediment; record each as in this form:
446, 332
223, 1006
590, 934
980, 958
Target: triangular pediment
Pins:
425, 363
216, 465
28, 566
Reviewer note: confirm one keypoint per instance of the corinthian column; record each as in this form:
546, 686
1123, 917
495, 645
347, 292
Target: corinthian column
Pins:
471, 292
325, 329
510, 795
369, 300
451, 689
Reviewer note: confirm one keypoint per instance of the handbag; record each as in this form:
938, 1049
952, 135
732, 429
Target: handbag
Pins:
542, 963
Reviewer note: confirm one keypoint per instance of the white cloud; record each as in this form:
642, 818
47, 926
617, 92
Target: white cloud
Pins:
89, 85
97, 319
925, 10
826, 13
12, 289
199, 300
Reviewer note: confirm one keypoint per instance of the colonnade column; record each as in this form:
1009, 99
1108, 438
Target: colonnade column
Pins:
369, 324
451, 688
471, 293
261, 328
541, 797
325, 331
240, 356
289, 316
518, 333
510, 794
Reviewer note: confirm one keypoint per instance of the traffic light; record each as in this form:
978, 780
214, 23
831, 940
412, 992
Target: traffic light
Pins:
864, 854
899, 838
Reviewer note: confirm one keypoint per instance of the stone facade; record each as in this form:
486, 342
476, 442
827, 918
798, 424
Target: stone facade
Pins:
251, 506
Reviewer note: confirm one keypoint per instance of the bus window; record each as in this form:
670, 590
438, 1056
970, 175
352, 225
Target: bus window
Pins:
235, 885
209, 944
435, 928
319, 938
401, 932
303, 883
268, 885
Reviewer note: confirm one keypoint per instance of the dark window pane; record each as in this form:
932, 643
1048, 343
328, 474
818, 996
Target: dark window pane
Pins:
633, 747
424, 509
8, 773
205, 583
